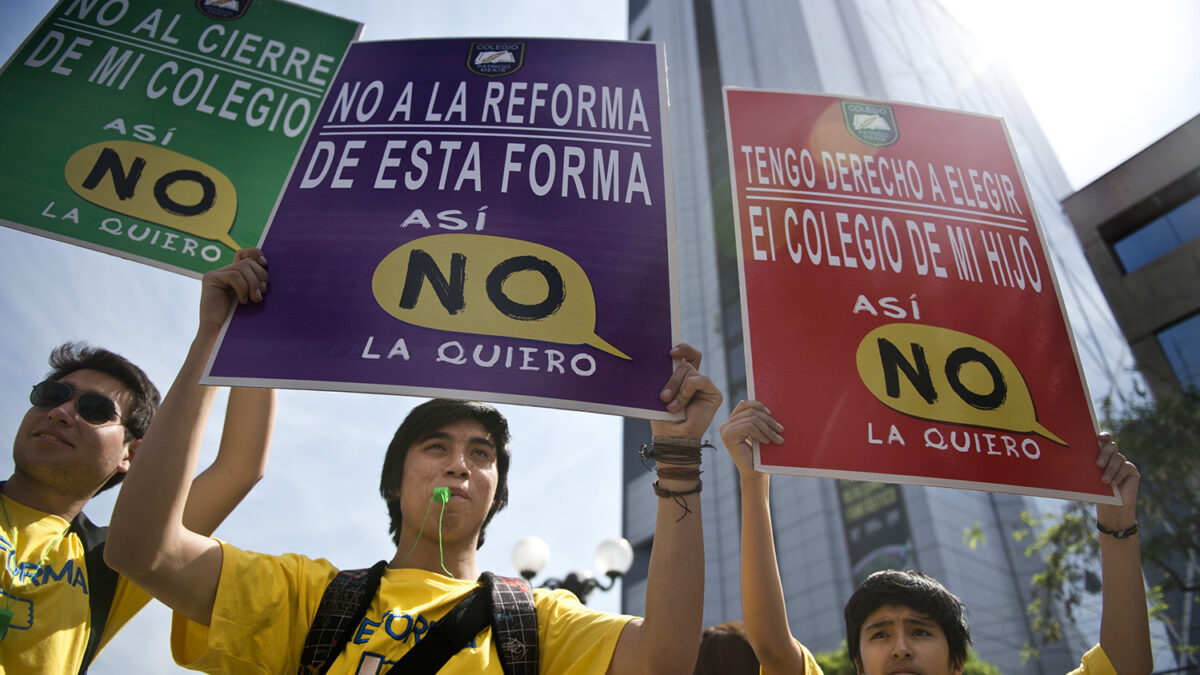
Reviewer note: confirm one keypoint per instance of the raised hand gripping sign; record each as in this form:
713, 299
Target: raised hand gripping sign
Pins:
901, 315
475, 218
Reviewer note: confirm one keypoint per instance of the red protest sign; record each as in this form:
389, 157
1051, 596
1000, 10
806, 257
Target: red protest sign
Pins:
901, 316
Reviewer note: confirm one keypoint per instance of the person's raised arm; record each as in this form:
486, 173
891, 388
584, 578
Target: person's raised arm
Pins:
667, 640
763, 608
147, 539
1124, 622
240, 463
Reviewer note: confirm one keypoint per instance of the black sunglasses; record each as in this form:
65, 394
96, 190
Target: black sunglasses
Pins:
92, 407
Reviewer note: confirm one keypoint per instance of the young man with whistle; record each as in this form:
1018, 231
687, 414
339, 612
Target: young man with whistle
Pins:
907, 622
444, 477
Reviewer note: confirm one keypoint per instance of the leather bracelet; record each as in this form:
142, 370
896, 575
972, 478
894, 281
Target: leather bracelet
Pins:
678, 472
1117, 534
679, 496
674, 450
664, 492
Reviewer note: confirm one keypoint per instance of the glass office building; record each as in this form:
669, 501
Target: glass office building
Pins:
911, 51
1140, 228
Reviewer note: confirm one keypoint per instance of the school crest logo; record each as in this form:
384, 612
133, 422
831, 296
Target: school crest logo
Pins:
495, 59
871, 123
223, 10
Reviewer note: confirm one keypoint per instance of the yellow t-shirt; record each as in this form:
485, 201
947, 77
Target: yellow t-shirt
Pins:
49, 629
1094, 662
811, 667
265, 604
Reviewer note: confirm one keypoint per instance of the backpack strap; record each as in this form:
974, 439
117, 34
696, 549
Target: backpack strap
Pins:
450, 634
101, 581
342, 608
504, 603
514, 624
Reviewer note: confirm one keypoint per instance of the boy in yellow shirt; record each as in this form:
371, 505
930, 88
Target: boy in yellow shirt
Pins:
899, 622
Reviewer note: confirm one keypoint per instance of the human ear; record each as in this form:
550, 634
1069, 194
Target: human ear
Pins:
131, 449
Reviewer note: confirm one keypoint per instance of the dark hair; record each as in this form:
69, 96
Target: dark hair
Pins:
72, 356
914, 590
426, 419
725, 650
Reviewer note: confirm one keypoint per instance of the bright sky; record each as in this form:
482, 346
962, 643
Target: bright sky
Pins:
1104, 79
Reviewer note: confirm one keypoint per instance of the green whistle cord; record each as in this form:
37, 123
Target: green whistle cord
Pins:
441, 551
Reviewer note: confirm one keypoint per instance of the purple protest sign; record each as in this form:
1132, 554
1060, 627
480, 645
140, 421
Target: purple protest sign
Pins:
475, 218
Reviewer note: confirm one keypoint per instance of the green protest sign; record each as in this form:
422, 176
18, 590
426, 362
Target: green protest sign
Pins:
161, 131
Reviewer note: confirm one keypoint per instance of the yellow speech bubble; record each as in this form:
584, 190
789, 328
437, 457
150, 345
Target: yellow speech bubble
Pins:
155, 184
485, 285
940, 374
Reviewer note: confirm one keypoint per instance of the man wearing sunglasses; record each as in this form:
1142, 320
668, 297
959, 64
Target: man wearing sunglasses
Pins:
78, 438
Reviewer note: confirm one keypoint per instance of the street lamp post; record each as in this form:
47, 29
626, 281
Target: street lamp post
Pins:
613, 559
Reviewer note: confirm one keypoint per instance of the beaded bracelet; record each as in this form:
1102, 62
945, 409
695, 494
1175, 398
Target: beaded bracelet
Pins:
1118, 534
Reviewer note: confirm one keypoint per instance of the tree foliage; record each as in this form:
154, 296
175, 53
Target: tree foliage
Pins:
836, 662
1163, 439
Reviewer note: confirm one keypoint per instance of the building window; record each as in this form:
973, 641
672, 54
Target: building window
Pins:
635, 8
1181, 343
1160, 236
636, 431
640, 570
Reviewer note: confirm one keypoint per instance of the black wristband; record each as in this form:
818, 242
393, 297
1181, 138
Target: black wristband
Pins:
1117, 534
678, 496
663, 492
